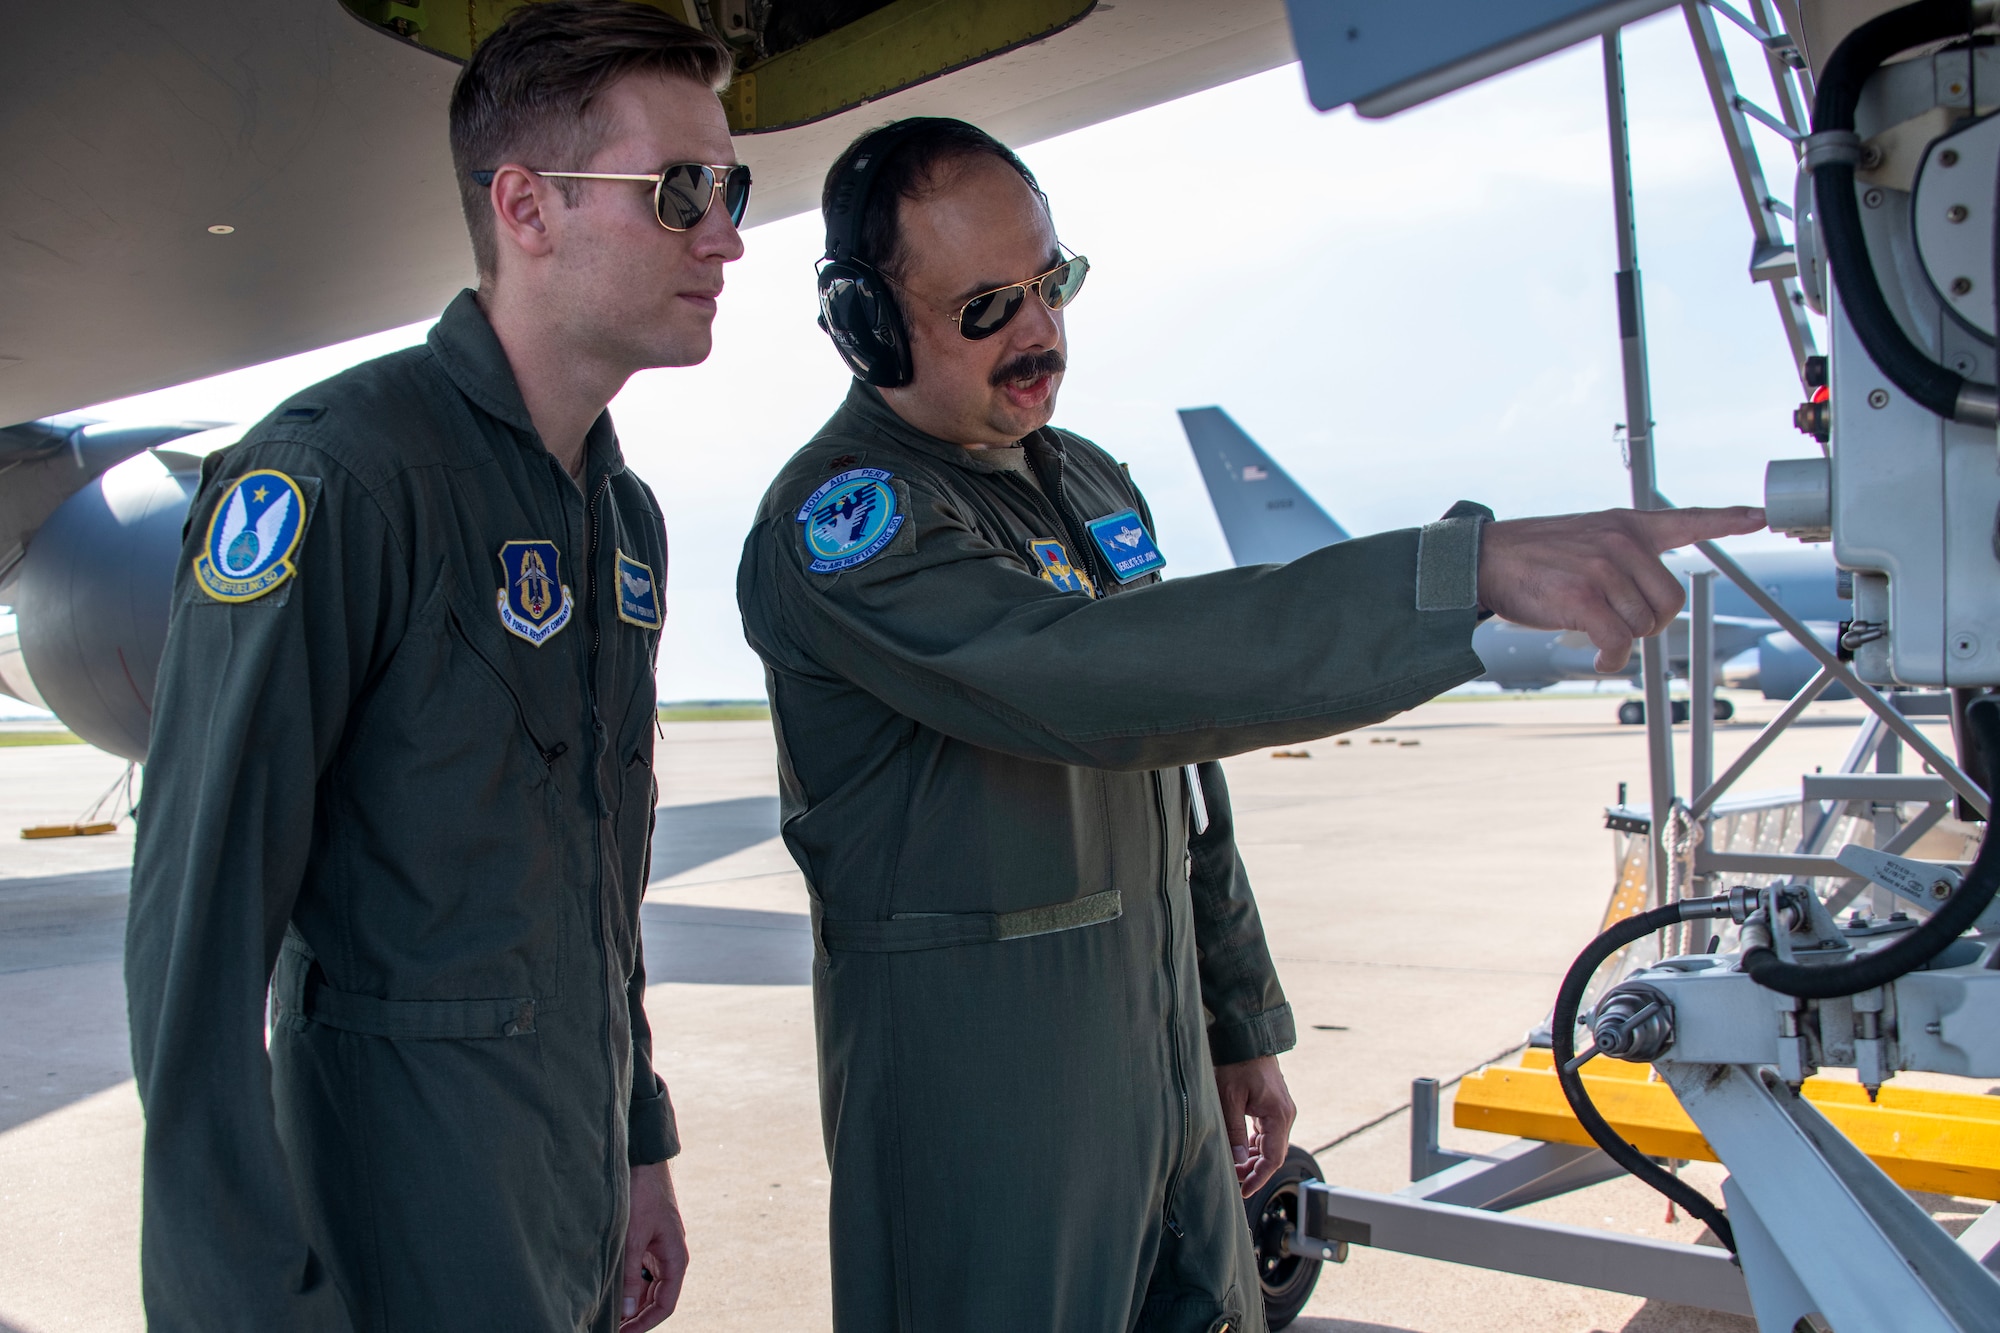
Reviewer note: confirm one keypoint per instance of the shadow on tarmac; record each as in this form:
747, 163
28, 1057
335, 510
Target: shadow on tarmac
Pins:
725, 946
687, 836
58, 920
62, 940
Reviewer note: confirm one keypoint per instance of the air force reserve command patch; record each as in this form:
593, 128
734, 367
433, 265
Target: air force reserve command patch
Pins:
638, 593
1052, 563
849, 519
534, 604
1126, 545
252, 536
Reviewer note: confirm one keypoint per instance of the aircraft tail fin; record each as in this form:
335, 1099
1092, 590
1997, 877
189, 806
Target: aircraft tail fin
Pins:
1266, 517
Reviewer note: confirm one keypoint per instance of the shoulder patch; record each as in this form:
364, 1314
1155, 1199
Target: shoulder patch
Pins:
252, 536
638, 593
1126, 544
534, 604
849, 519
1052, 563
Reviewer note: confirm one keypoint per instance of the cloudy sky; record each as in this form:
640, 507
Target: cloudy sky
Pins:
1403, 313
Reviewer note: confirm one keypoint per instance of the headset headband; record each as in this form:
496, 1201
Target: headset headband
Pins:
847, 203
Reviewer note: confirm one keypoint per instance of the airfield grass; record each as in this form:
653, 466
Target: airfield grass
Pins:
8, 738
717, 710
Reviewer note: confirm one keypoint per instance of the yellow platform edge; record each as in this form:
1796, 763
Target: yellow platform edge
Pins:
1941, 1142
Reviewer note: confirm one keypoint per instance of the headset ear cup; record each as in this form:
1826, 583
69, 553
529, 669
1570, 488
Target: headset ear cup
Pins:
894, 336
859, 313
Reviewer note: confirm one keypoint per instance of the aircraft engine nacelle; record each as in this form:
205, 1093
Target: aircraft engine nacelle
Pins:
92, 599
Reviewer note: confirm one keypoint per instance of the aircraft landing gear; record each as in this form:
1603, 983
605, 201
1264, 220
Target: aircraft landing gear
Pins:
1276, 1215
1632, 713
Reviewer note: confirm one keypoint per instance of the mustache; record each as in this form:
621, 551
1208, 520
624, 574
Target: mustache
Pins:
1029, 366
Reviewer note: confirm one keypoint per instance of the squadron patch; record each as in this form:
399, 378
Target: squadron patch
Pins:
849, 519
1126, 544
1052, 562
638, 593
252, 536
533, 602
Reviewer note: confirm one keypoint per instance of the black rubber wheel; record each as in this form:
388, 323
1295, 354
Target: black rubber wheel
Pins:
1632, 713
1681, 710
1286, 1279
1724, 710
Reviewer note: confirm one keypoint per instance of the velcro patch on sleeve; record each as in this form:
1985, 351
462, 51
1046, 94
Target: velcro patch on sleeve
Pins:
850, 519
253, 537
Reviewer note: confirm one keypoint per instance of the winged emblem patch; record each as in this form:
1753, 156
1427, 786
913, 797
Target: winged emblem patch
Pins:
252, 536
849, 519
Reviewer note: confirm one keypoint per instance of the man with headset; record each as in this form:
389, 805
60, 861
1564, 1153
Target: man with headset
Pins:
1045, 1005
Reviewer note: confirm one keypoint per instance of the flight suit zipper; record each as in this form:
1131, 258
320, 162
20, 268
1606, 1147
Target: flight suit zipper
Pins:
1080, 550
590, 555
1173, 1003
1053, 492
592, 531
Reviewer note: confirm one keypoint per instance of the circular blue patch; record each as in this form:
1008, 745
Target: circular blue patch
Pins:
849, 519
251, 537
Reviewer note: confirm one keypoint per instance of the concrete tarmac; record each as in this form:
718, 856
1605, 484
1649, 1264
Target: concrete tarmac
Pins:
1423, 896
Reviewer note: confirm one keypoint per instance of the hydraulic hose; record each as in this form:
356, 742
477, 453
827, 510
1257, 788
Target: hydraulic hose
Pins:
1569, 1000
1831, 155
1921, 945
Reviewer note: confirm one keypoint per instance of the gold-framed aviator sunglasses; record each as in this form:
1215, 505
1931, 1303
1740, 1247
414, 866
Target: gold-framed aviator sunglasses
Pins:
989, 312
683, 192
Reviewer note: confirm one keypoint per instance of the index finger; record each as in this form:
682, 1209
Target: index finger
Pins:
1668, 528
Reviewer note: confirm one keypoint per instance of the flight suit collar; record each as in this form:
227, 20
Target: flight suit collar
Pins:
866, 407
464, 343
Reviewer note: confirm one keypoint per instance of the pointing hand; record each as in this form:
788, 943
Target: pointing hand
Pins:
1599, 573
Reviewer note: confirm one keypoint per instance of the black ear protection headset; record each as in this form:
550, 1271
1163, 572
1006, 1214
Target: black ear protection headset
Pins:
856, 307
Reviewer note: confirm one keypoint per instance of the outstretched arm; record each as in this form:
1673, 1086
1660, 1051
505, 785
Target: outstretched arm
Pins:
1599, 573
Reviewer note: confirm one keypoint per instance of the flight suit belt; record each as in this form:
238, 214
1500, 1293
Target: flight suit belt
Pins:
298, 986
907, 932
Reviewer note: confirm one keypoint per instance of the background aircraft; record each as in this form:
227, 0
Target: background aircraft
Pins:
216, 175
1267, 517
90, 527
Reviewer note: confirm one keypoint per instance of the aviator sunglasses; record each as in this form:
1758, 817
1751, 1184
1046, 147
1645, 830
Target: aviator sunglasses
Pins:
989, 312
682, 192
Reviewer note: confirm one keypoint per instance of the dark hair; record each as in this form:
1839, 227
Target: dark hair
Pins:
529, 92
913, 170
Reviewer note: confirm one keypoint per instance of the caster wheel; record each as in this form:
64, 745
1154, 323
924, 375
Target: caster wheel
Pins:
1286, 1279
1632, 713
1724, 710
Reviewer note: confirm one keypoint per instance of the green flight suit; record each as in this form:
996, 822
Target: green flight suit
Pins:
433, 830
1025, 965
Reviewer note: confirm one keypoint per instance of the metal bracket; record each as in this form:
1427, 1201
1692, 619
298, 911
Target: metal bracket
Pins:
1697, 1275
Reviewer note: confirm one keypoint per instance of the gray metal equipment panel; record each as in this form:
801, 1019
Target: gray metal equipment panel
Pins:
1388, 55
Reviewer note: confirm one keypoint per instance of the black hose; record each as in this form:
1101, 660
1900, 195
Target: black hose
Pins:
1859, 55
1921, 945
1569, 1000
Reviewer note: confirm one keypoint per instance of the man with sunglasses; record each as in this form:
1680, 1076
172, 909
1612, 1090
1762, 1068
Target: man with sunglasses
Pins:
401, 765
1048, 1020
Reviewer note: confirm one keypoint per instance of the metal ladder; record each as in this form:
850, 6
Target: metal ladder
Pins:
1772, 258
